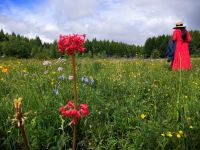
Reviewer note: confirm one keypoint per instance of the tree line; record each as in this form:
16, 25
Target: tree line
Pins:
12, 45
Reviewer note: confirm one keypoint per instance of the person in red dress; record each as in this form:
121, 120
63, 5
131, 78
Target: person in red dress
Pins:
182, 38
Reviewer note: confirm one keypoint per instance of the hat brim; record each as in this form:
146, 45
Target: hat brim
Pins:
179, 27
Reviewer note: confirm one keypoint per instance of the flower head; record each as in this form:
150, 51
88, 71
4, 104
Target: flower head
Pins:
5, 70
71, 77
46, 63
180, 132
69, 110
62, 77
169, 134
142, 116
162, 134
55, 91
190, 126
18, 102
67, 44
60, 69
178, 135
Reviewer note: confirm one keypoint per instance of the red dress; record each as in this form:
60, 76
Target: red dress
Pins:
181, 55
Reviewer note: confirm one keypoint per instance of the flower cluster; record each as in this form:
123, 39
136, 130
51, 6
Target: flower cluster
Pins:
18, 118
67, 44
87, 80
3, 69
69, 110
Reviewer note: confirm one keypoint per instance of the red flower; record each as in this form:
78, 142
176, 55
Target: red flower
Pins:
67, 44
69, 111
84, 109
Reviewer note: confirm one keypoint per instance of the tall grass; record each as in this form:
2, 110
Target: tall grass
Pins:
123, 90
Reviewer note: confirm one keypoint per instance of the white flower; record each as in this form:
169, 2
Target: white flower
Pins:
46, 72
60, 69
71, 77
55, 91
46, 63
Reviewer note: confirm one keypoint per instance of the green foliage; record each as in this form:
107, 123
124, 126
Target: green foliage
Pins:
155, 54
13, 45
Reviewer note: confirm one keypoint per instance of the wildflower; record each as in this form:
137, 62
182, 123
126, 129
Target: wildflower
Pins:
1, 67
46, 63
191, 127
60, 60
169, 134
83, 79
92, 81
71, 77
69, 110
180, 132
60, 69
46, 72
25, 71
67, 44
19, 118
142, 116
62, 77
87, 80
5, 70
162, 134
178, 135
18, 102
55, 91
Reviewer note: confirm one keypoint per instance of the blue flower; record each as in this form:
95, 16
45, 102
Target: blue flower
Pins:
55, 91
92, 81
62, 77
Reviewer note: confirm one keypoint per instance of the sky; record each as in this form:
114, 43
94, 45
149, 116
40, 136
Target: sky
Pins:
129, 21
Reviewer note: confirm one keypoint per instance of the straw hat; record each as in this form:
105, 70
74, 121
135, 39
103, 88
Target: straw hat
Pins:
179, 25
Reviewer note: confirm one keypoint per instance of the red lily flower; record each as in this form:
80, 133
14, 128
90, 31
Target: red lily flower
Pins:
69, 111
67, 44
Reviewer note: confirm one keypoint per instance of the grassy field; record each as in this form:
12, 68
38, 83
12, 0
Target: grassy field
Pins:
134, 104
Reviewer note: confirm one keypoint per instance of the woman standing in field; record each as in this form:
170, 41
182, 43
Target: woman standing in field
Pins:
181, 56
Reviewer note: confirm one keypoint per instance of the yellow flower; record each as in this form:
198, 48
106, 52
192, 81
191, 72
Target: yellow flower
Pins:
169, 134
178, 135
142, 116
5, 70
17, 102
1, 67
24, 70
191, 127
162, 134
180, 132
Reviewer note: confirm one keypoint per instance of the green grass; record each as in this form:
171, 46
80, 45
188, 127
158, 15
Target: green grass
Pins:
124, 89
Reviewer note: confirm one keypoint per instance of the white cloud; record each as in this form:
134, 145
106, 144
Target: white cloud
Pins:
122, 20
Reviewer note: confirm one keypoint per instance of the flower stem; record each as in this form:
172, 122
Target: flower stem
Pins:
24, 137
75, 99
21, 126
74, 77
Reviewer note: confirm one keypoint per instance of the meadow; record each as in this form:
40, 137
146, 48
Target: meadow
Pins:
134, 104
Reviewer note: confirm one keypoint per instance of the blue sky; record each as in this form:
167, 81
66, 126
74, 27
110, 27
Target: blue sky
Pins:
130, 21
